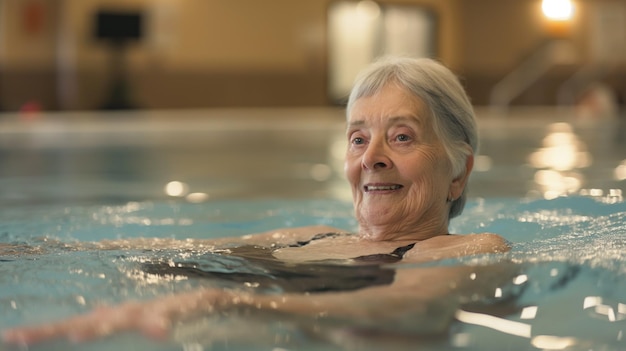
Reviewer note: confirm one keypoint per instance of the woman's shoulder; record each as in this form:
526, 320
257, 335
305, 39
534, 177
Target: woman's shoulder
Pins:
288, 236
484, 241
451, 246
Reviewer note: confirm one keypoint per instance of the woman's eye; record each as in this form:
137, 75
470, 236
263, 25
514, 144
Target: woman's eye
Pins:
403, 137
357, 141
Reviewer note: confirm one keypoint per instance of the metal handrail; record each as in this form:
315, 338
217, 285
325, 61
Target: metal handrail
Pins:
554, 53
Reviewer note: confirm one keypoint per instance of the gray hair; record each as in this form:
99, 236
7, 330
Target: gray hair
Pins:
453, 116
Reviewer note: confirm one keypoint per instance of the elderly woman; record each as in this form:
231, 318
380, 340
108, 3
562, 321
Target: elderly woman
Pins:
411, 141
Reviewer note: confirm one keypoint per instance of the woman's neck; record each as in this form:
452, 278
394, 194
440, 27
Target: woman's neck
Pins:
399, 232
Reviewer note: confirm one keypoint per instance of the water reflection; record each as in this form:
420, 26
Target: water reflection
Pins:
559, 160
197, 197
597, 307
620, 171
604, 309
496, 323
180, 189
176, 188
551, 342
482, 163
529, 312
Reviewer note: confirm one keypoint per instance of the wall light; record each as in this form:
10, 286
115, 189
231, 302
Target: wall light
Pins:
558, 10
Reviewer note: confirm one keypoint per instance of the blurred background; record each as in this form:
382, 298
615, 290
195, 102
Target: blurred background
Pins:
58, 55
124, 100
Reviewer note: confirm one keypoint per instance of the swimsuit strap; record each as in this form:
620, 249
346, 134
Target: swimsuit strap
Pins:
392, 257
395, 256
402, 250
316, 237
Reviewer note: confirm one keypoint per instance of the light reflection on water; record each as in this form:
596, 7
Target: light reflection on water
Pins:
547, 157
557, 161
620, 171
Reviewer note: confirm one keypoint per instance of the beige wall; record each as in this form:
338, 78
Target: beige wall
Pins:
500, 35
28, 33
221, 35
204, 53
198, 53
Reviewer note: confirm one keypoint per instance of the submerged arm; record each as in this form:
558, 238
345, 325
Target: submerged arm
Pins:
284, 236
414, 290
271, 238
155, 318
432, 291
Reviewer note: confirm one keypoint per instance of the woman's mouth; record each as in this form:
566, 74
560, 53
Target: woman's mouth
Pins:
381, 187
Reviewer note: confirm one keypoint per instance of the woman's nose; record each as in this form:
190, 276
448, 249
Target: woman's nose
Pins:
375, 157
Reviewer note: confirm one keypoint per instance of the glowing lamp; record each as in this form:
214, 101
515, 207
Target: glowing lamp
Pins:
558, 10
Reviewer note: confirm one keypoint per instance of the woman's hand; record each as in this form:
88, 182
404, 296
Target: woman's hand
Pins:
152, 318
14, 251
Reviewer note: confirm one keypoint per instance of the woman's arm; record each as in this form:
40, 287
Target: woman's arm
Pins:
415, 291
283, 236
155, 318
452, 246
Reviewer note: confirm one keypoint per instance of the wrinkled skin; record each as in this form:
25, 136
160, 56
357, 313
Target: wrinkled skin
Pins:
398, 169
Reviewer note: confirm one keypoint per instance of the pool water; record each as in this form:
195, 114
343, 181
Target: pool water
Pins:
552, 188
570, 290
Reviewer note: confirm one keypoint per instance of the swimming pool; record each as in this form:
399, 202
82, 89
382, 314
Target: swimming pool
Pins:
550, 185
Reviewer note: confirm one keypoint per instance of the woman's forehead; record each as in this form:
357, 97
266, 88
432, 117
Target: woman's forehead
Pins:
390, 104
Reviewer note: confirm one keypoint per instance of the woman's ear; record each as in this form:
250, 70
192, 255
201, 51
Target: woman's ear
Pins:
458, 184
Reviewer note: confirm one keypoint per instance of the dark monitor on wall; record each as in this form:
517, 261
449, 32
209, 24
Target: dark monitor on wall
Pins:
118, 25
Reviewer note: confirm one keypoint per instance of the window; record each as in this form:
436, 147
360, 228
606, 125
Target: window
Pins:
361, 31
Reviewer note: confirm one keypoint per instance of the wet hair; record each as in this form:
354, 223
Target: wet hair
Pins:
440, 90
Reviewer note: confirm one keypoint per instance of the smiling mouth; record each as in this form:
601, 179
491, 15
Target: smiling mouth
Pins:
388, 187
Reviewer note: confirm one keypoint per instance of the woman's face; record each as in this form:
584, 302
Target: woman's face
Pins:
397, 167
